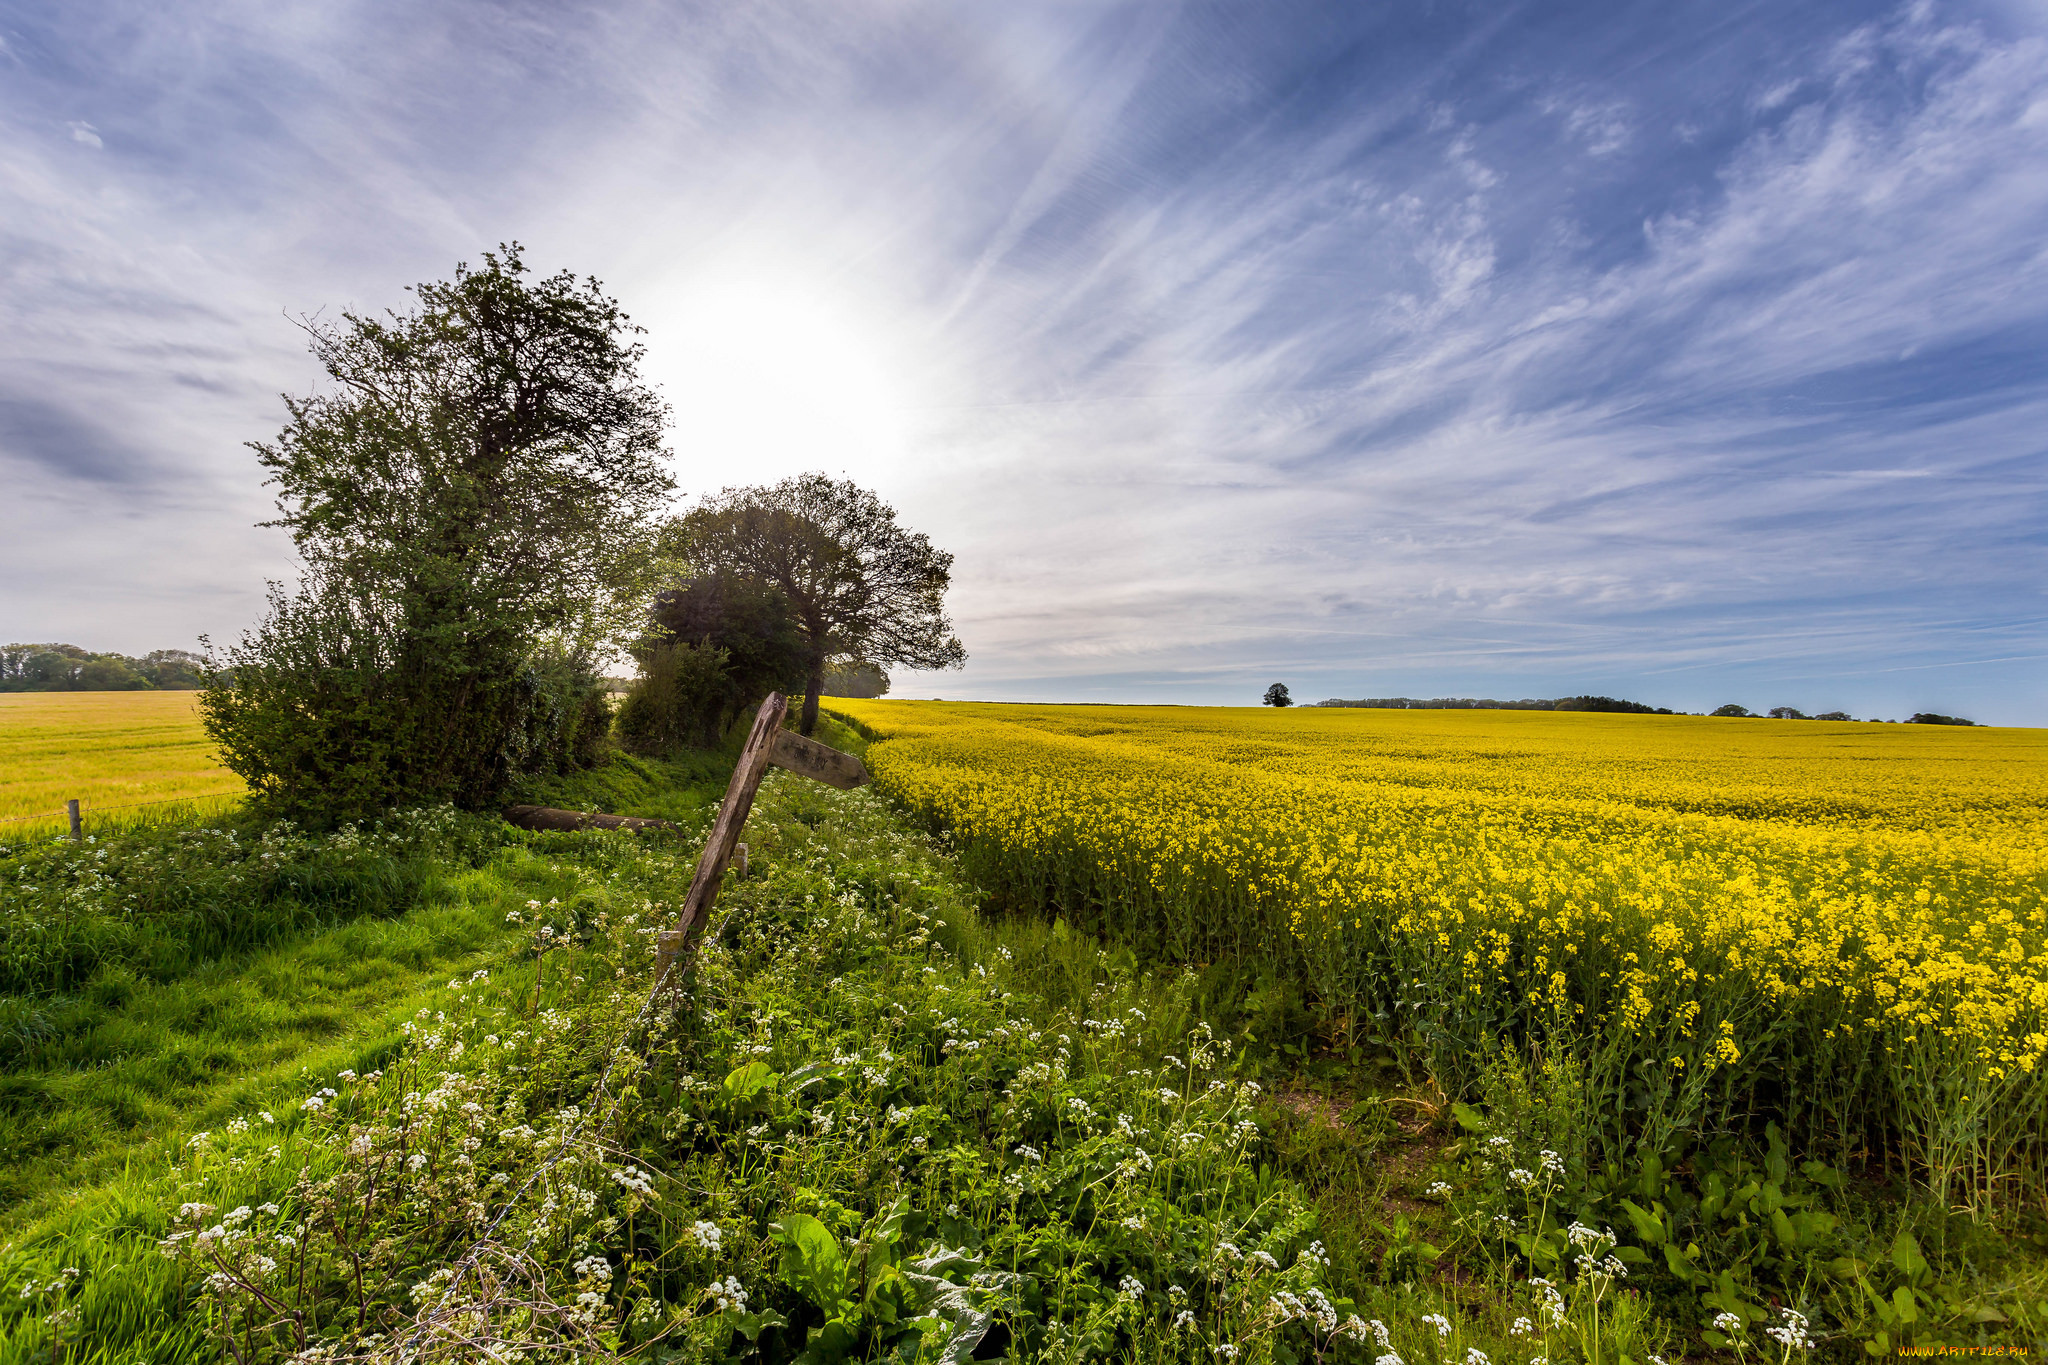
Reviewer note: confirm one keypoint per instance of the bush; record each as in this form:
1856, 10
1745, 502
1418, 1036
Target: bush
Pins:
332, 714
678, 701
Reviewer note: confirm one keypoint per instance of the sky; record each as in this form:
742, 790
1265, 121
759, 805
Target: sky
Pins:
1685, 352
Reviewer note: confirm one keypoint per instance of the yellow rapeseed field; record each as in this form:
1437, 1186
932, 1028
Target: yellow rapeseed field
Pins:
1838, 925
108, 749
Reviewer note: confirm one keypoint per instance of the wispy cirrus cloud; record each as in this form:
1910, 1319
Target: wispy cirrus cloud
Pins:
1657, 349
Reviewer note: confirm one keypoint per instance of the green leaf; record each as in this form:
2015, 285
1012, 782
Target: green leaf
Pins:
1906, 1256
812, 1262
744, 1083
1680, 1266
1903, 1305
890, 1227
1468, 1118
749, 1325
1649, 1226
830, 1342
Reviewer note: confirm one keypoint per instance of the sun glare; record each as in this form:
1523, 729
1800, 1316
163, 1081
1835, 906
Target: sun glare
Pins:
768, 377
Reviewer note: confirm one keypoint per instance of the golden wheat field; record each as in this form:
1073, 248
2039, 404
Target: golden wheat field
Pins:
110, 750
1837, 925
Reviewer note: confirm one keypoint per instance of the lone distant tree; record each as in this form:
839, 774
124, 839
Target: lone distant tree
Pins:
1788, 713
1276, 695
858, 585
1731, 709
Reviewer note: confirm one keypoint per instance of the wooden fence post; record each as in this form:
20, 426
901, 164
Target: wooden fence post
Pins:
725, 833
767, 743
77, 825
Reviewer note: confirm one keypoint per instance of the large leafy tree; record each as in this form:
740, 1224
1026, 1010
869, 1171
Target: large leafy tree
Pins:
474, 500
858, 585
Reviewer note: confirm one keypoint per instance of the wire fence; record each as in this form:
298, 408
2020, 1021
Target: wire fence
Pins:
84, 806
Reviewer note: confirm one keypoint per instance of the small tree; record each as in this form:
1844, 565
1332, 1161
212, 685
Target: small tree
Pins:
858, 585
1276, 695
1731, 709
474, 506
1788, 713
746, 624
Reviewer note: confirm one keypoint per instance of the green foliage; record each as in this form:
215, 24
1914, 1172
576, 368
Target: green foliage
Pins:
157, 902
473, 503
716, 645
855, 678
879, 1125
1738, 1241
676, 702
858, 586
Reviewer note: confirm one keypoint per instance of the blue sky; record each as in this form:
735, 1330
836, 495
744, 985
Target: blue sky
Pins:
1684, 352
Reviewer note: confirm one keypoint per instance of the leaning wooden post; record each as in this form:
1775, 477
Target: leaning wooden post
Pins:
77, 825
732, 818
767, 743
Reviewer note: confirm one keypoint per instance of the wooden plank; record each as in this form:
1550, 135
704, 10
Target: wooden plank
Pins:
549, 818
821, 762
725, 834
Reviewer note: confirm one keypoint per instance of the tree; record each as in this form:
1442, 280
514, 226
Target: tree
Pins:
474, 502
858, 585
1788, 713
1834, 715
1936, 718
1731, 709
1276, 695
715, 645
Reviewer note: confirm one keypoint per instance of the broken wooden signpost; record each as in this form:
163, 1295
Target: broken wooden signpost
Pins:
767, 743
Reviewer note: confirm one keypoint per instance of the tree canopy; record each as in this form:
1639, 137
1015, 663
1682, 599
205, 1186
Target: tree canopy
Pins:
859, 586
474, 501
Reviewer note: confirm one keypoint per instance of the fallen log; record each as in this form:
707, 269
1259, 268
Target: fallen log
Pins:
548, 818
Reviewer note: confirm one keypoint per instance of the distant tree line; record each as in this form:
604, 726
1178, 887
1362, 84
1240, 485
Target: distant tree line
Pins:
1609, 704
67, 668
1731, 710
1613, 704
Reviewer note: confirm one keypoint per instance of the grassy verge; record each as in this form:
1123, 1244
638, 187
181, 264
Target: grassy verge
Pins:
194, 975
883, 1125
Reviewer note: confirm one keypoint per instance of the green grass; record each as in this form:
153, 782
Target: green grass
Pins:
106, 1081
126, 1061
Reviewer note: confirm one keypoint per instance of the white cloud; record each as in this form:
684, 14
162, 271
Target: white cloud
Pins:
86, 133
1194, 375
